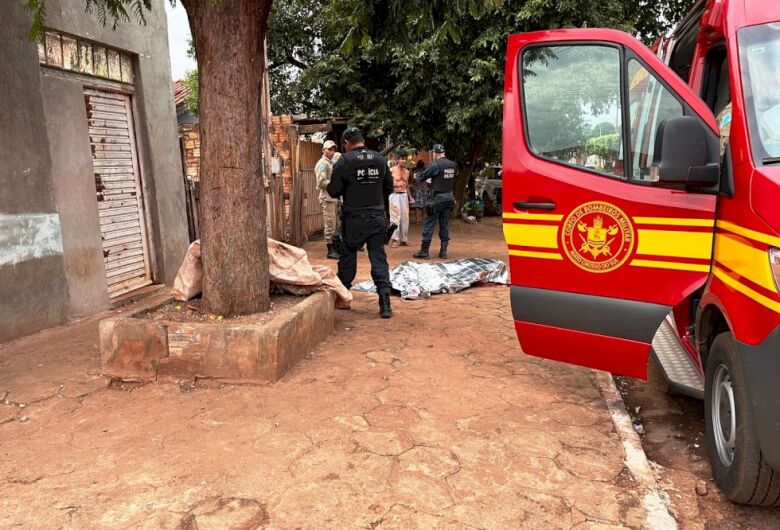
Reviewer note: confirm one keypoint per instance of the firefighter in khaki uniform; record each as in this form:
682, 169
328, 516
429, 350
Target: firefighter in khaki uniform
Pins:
329, 205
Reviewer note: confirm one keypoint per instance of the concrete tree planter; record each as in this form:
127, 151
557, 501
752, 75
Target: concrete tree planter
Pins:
135, 348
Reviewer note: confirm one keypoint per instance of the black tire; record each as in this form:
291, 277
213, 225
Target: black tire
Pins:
747, 478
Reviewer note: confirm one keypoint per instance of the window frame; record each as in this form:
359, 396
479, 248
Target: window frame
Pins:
552, 44
625, 55
687, 111
629, 57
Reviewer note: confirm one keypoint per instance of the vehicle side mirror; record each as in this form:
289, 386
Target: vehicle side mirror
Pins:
683, 154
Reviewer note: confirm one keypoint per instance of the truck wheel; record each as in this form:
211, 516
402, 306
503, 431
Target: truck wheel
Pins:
732, 443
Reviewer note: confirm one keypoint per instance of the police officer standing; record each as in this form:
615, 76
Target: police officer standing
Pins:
442, 173
328, 204
362, 179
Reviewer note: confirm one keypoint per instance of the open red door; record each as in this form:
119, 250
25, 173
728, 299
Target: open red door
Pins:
610, 168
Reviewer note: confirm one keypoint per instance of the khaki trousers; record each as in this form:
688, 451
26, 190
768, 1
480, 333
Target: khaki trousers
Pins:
331, 219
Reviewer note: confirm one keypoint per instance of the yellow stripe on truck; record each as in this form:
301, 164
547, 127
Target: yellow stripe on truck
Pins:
747, 261
674, 221
747, 291
750, 234
671, 265
533, 216
534, 254
675, 244
527, 235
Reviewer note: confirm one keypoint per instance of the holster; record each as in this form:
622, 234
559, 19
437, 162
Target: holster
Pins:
338, 238
390, 231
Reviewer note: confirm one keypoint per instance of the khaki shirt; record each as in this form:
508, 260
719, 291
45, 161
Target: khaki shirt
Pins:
323, 170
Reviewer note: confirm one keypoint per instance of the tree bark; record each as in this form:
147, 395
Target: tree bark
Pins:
229, 42
464, 175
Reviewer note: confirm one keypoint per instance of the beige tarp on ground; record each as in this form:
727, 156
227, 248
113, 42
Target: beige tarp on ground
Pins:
290, 272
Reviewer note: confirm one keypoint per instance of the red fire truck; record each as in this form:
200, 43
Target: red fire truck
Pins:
635, 227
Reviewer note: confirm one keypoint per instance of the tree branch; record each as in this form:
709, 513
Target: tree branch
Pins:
295, 62
290, 60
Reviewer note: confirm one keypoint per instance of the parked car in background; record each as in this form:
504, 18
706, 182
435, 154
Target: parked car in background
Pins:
489, 188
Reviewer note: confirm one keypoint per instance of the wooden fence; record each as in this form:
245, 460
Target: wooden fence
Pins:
311, 153
305, 215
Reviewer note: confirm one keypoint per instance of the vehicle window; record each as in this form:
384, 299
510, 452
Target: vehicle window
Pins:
650, 103
682, 54
759, 48
684, 42
571, 98
716, 90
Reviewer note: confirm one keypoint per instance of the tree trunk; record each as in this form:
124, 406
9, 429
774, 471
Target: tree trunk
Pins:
229, 42
464, 175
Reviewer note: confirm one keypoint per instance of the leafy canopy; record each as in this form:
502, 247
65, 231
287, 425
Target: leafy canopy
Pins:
422, 72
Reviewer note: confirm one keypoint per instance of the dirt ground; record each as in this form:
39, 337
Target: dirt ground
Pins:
674, 438
433, 419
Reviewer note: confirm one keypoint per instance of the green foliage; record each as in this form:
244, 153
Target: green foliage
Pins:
566, 89
294, 40
193, 89
423, 72
606, 147
294, 37
111, 12
604, 127
652, 18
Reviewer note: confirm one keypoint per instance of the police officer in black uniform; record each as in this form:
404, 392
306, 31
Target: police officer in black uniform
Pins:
361, 177
442, 173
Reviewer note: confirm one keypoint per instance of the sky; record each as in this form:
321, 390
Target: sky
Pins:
178, 36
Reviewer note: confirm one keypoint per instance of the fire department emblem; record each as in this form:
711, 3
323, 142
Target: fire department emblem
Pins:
597, 237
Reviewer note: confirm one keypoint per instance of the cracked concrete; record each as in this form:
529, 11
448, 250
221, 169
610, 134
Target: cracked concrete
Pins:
434, 419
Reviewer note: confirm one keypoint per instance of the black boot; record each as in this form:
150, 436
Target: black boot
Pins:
423, 252
385, 311
443, 250
332, 253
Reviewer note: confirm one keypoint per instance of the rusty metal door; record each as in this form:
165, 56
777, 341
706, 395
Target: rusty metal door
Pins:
310, 153
118, 187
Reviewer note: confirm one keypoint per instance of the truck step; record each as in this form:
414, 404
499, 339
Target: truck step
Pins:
676, 365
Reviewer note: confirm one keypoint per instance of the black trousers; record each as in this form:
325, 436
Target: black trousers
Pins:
437, 212
369, 229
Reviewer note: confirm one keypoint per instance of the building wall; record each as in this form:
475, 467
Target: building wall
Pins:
33, 293
75, 194
51, 264
281, 142
190, 134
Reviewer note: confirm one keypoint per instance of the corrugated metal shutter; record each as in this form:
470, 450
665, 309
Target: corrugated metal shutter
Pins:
118, 186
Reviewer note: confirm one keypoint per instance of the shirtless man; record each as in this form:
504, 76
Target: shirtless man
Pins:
400, 200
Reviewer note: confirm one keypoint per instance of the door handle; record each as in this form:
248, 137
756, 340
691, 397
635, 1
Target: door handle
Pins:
521, 205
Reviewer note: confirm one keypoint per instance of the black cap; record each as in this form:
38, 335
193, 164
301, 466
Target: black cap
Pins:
351, 133
402, 153
437, 148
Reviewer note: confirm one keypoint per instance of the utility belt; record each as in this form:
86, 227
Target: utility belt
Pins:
433, 206
364, 211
